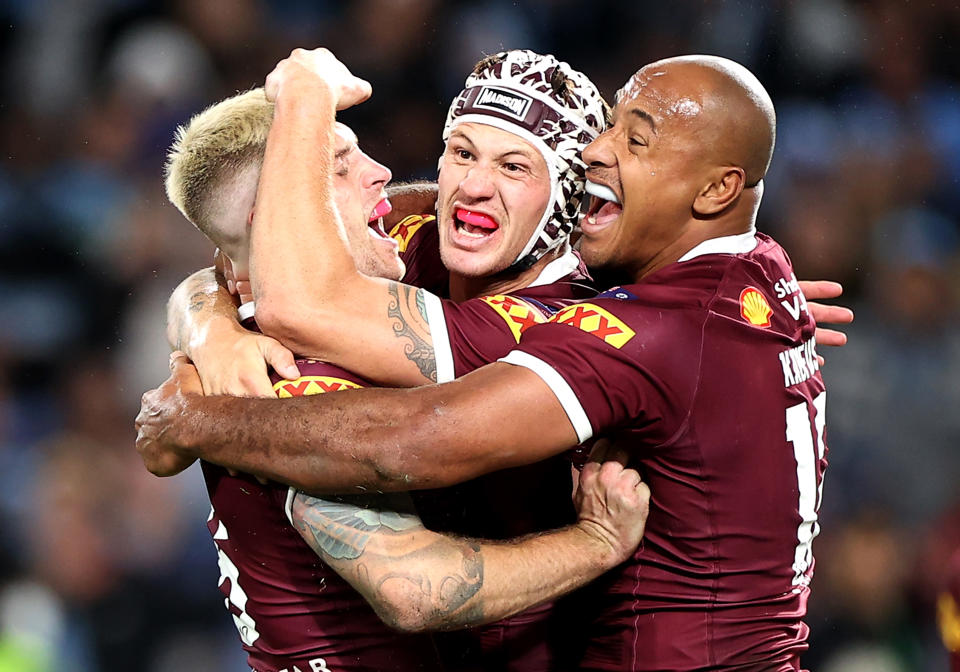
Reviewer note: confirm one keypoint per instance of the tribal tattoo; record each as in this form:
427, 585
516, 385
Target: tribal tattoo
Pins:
408, 307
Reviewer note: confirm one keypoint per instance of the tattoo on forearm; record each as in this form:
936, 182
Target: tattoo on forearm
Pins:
442, 578
443, 600
341, 528
409, 309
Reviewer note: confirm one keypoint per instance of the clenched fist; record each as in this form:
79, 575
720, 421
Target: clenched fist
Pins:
318, 66
612, 501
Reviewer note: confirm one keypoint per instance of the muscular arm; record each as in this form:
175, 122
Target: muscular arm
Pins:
378, 439
421, 580
381, 331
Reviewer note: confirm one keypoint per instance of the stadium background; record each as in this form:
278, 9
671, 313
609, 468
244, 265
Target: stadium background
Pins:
105, 568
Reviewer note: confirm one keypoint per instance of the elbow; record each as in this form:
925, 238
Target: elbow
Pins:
407, 617
289, 322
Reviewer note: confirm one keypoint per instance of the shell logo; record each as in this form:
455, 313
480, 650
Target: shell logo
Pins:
754, 307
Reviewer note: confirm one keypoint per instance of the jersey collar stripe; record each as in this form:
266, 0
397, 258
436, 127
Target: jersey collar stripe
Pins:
442, 352
738, 244
559, 268
560, 388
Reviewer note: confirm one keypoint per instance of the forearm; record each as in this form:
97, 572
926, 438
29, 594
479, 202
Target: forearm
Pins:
417, 579
377, 439
296, 238
410, 198
199, 303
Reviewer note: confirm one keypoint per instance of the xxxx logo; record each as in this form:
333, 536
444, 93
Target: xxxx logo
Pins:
518, 314
307, 385
596, 321
404, 231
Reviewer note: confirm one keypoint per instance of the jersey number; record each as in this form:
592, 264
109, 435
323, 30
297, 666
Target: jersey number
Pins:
808, 458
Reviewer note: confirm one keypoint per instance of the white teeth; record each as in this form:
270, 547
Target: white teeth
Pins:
602, 191
472, 235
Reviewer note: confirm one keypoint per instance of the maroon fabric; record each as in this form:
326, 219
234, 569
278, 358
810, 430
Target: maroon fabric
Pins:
700, 394
304, 615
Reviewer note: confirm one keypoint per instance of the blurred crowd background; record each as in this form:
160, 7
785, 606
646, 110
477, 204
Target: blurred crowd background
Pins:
104, 568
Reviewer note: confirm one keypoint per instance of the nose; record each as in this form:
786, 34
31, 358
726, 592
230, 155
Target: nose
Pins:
377, 175
598, 153
477, 183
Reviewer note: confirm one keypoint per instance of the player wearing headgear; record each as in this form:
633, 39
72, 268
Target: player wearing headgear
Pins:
293, 611
704, 359
523, 176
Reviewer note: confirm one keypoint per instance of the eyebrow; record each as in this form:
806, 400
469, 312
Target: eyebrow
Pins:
522, 151
340, 153
644, 117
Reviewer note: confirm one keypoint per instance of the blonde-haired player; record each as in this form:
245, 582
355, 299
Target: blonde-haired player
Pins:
293, 611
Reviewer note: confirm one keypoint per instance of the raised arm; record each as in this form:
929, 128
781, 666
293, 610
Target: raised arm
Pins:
374, 439
297, 240
418, 580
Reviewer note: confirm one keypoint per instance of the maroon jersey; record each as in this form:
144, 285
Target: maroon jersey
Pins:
419, 243
293, 611
512, 502
708, 371
948, 612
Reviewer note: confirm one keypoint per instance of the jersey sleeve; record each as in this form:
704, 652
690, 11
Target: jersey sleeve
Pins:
607, 362
470, 334
419, 243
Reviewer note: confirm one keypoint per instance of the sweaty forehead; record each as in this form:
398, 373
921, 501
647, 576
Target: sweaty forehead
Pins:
660, 95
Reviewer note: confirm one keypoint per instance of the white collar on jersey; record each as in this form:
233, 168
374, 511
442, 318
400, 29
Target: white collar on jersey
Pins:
246, 310
560, 267
740, 243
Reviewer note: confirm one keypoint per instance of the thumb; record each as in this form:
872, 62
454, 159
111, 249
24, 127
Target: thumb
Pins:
279, 358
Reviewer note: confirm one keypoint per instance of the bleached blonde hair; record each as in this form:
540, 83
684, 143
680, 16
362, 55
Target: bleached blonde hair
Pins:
212, 148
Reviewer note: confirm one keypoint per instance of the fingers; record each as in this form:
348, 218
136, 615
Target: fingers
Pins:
605, 450
820, 289
280, 358
834, 314
830, 337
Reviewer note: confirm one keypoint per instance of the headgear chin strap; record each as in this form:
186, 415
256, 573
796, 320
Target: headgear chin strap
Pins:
515, 93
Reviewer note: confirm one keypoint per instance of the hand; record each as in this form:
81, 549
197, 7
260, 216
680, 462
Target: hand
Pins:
234, 361
611, 500
157, 432
822, 313
319, 65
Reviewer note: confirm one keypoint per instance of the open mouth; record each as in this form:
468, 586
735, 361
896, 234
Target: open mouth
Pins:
474, 224
605, 206
375, 221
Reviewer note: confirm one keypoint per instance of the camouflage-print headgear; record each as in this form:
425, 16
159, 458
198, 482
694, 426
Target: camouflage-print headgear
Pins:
516, 94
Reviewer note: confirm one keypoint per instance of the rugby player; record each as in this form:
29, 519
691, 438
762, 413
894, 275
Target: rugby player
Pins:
292, 611
534, 172
703, 358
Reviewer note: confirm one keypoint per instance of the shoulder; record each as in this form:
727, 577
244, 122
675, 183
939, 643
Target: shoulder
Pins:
413, 228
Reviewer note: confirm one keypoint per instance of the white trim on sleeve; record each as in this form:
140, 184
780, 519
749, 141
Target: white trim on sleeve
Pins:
288, 506
442, 352
564, 393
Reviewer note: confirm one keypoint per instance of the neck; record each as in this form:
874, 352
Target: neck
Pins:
740, 218
464, 287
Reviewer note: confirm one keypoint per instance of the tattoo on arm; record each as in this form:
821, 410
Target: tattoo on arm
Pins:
198, 300
342, 527
409, 309
439, 579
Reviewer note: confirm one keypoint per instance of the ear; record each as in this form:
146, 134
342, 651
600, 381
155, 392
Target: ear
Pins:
721, 192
